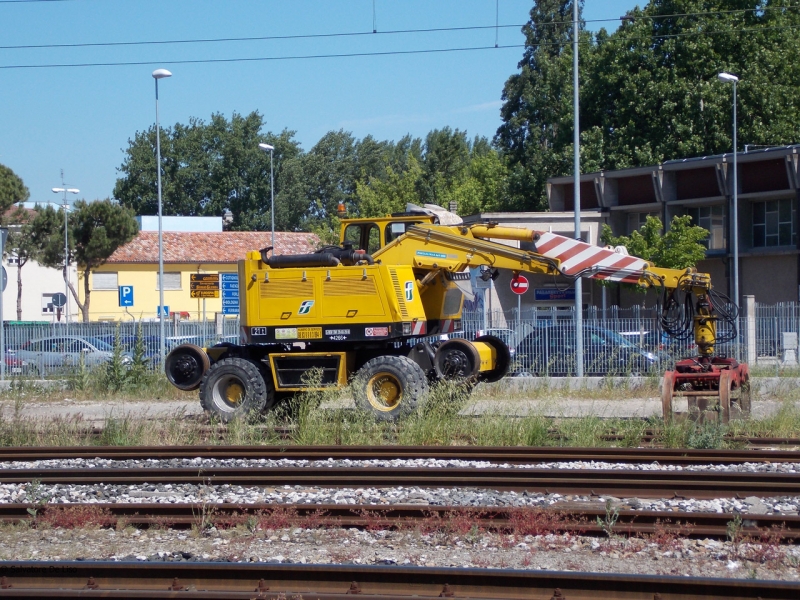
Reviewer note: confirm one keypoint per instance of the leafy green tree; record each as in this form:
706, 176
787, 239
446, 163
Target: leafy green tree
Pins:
383, 196
649, 90
536, 134
22, 245
680, 247
445, 163
96, 230
208, 169
12, 189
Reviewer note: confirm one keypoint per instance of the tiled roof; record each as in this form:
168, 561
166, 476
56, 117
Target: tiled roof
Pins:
223, 247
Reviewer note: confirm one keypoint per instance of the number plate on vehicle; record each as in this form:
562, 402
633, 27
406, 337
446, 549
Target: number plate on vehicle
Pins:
258, 331
309, 333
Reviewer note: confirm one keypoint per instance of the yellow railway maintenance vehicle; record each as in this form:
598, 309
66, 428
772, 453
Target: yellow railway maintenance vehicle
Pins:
365, 313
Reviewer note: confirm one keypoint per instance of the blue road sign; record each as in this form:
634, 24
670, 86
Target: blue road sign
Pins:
550, 294
164, 312
229, 282
126, 295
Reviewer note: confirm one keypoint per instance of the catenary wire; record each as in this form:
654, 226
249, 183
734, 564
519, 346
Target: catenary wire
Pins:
365, 54
256, 59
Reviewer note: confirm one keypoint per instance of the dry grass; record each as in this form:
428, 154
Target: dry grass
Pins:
326, 418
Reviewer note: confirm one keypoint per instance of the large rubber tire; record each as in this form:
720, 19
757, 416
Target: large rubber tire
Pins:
390, 387
234, 388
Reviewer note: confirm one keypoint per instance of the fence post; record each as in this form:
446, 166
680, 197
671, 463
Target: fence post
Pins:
750, 320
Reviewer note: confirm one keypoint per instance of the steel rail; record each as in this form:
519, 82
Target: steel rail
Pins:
328, 582
508, 454
660, 484
564, 518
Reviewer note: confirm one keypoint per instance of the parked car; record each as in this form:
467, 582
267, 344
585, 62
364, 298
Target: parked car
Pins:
662, 344
53, 354
549, 350
152, 345
14, 364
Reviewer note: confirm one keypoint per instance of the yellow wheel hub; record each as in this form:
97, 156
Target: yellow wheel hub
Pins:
384, 391
234, 392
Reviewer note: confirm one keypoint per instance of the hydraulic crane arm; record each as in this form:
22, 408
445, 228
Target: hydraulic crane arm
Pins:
435, 247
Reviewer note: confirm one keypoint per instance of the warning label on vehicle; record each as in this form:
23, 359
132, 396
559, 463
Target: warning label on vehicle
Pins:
309, 333
376, 331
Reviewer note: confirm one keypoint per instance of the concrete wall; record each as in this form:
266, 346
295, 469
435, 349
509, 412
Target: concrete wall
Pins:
36, 281
770, 278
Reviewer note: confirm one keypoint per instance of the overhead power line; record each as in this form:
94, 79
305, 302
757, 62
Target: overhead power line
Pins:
308, 36
255, 59
365, 54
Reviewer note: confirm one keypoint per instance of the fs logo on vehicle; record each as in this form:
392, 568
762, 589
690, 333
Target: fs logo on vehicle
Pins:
305, 307
409, 291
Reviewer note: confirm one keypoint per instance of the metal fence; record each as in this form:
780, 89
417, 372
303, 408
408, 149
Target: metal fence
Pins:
542, 340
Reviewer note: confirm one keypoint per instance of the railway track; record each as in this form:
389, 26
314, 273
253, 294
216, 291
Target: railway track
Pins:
567, 518
588, 481
498, 454
646, 484
324, 582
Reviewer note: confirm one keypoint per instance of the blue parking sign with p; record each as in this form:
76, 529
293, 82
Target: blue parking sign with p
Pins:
126, 295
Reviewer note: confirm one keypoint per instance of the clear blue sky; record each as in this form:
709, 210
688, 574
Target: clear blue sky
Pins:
80, 118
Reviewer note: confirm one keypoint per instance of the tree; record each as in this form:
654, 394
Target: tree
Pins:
680, 247
22, 244
12, 189
382, 196
96, 230
649, 91
208, 169
536, 134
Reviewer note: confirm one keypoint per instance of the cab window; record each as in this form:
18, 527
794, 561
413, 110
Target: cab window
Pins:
352, 235
373, 239
395, 230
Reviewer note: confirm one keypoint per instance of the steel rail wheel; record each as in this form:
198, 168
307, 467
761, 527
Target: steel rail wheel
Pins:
390, 387
457, 360
233, 388
185, 366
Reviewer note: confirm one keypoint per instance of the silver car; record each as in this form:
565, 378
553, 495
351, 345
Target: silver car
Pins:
63, 353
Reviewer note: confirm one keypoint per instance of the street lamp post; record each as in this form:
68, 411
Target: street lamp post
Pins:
270, 149
576, 150
57, 190
728, 78
160, 74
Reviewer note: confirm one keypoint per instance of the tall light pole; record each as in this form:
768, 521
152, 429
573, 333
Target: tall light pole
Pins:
728, 78
65, 190
270, 149
160, 74
576, 144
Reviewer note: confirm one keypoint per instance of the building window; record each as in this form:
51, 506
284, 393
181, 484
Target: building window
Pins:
714, 220
104, 281
637, 220
172, 281
773, 223
13, 258
47, 304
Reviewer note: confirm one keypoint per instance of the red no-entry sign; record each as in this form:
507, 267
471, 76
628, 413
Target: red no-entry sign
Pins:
519, 284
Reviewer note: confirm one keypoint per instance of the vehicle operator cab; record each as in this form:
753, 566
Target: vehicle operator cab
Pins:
371, 235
